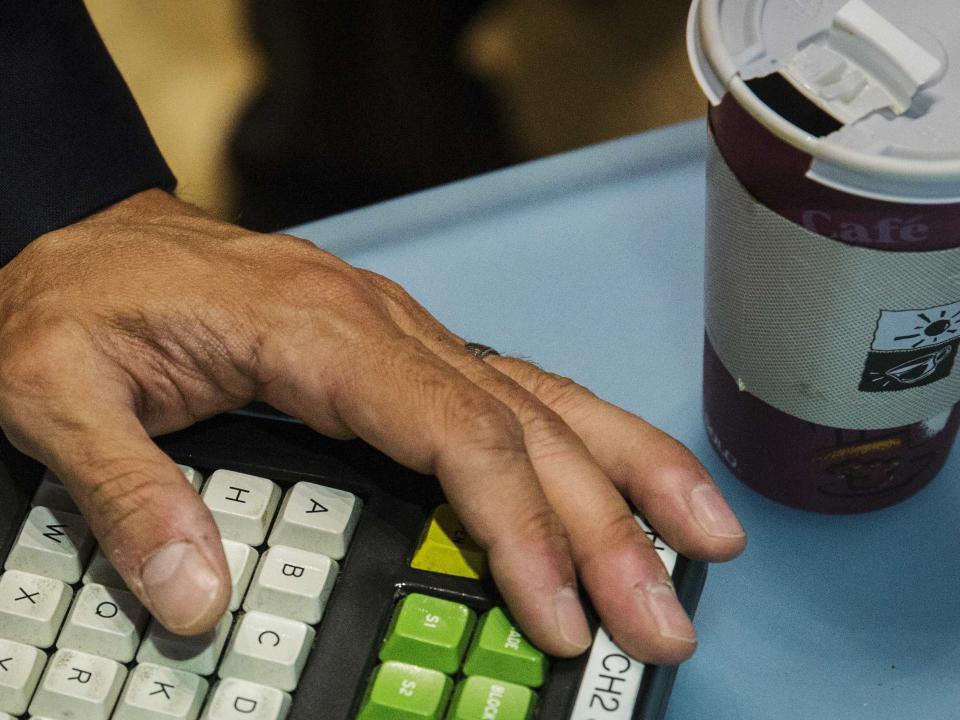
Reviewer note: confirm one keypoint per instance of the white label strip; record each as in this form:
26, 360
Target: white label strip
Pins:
611, 681
831, 333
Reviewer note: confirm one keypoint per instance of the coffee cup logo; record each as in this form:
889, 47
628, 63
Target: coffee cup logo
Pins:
912, 348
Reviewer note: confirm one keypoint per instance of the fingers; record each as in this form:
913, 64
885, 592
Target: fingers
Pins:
394, 393
148, 519
616, 562
626, 580
657, 473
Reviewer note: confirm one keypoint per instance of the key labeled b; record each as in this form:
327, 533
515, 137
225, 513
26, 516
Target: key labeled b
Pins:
292, 583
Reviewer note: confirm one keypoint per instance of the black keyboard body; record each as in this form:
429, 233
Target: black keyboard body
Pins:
376, 571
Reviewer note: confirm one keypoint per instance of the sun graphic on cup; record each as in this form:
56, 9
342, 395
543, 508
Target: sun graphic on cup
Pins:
933, 331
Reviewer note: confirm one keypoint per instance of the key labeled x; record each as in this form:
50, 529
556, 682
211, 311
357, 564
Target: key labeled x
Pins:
27, 596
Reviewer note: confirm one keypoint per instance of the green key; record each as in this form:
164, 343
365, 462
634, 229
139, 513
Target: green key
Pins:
399, 691
481, 698
429, 632
500, 651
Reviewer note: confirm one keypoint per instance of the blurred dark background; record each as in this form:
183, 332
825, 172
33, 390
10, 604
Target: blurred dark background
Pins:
274, 112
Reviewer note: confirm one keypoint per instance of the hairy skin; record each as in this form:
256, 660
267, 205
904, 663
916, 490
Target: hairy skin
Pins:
149, 316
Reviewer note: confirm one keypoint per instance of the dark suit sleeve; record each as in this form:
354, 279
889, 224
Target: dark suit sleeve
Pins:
72, 140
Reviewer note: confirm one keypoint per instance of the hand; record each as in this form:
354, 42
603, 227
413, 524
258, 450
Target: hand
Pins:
149, 316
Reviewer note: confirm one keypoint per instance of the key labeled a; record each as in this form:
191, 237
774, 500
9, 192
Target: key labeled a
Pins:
52, 543
32, 607
154, 692
317, 518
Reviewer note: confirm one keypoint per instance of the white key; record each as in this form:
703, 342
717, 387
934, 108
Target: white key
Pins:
20, 669
197, 655
104, 621
268, 649
78, 685
154, 692
32, 607
194, 476
242, 561
52, 543
318, 519
292, 583
235, 699
100, 571
53, 495
243, 505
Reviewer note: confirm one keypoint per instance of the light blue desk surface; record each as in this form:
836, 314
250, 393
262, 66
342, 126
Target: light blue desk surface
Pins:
590, 263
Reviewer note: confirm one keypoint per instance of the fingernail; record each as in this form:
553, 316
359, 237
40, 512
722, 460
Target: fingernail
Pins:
671, 618
712, 512
570, 619
180, 585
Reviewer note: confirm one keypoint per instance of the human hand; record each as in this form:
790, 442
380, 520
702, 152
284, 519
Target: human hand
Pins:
149, 316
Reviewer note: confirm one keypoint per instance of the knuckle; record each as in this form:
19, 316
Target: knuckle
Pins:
538, 530
558, 391
622, 529
318, 280
483, 422
540, 524
388, 287
613, 535
545, 433
34, 350
403, 307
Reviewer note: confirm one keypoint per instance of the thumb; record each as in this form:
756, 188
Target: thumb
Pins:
148, 519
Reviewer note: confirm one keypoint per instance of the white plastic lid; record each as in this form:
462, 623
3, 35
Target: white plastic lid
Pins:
881, 67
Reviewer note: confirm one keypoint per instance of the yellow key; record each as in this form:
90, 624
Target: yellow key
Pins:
446, 548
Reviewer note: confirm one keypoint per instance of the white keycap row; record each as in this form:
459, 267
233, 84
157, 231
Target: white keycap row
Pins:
283, 592
313, 517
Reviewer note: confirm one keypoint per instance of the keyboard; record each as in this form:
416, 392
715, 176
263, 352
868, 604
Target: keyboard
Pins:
356, 594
